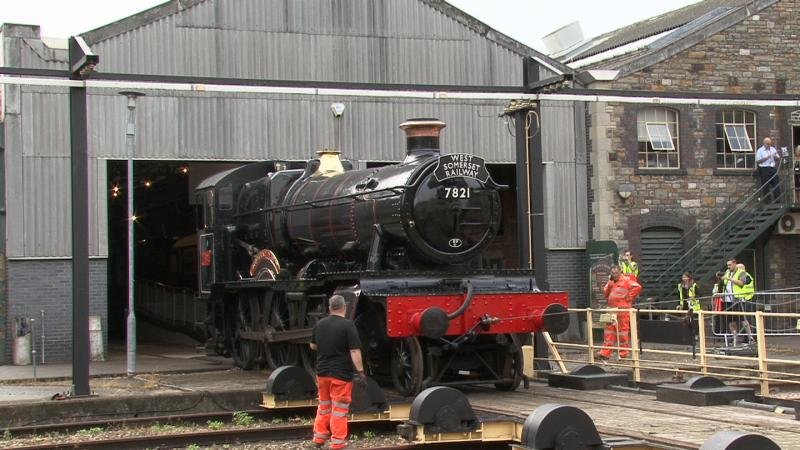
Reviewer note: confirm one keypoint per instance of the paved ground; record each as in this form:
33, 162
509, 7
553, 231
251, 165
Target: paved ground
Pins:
180, 365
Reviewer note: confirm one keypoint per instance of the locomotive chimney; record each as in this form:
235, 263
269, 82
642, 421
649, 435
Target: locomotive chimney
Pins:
422, 137
329, 163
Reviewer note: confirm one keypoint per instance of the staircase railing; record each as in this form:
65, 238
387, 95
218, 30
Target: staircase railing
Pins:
740, 225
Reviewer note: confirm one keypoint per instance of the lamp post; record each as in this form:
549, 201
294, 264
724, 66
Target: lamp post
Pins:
130, 145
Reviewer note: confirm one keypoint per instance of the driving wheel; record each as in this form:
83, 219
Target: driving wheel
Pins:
407, 365
245, 352
279, 353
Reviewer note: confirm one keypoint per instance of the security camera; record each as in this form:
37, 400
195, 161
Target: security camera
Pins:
337, 109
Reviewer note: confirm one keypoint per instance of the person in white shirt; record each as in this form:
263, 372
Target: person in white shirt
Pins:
767, 159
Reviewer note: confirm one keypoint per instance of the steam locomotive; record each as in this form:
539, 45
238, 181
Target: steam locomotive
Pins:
401, 243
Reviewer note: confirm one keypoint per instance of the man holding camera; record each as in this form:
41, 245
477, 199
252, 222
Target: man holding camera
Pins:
628, 266
621, 292
335, 339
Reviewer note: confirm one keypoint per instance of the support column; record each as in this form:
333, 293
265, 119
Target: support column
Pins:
81, 62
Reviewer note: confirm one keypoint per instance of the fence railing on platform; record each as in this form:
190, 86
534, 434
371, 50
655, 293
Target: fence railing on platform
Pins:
175, 307
752, 363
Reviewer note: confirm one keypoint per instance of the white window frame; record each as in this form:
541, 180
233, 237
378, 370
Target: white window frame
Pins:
738, 138
664, 127
661, 155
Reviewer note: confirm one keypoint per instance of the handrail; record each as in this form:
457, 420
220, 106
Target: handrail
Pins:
733, 216
761, 372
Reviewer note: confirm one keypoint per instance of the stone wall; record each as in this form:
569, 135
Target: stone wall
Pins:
756, 56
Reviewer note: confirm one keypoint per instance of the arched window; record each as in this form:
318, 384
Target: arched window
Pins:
657, 133
736, 139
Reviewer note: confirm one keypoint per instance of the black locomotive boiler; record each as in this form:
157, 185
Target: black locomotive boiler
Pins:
402, 244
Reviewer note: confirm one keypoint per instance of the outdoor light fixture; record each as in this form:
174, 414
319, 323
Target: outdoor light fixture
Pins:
337, 109
625, 191
147, 184
82, 60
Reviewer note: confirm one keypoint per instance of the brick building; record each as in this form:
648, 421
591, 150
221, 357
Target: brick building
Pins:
726, 76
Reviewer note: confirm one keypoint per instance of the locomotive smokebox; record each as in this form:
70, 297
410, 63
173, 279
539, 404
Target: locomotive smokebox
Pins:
422, 138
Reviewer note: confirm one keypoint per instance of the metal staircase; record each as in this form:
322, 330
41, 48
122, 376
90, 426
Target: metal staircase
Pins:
740, 225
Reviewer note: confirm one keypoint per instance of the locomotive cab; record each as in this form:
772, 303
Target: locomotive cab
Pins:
231, 205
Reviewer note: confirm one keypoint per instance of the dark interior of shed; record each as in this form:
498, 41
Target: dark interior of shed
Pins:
164, 229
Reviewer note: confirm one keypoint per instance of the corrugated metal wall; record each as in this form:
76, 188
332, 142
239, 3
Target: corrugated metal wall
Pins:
387, 41
390, 41
566, 189
38, 181
216, 127
197, 127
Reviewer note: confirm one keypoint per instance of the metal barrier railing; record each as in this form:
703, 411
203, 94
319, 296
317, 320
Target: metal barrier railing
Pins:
769, 302
175, 307
755, 369
775, 301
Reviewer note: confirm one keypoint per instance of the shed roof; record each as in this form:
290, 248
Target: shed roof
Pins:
652, 40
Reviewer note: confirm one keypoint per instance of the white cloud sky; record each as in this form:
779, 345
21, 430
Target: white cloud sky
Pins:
524, 20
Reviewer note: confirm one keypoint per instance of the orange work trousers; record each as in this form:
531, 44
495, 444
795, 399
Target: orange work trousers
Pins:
621, 328
334, 407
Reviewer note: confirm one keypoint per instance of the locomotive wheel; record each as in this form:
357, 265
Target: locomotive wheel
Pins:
509, 364
407, 366
279, 354
245, 352
308, 358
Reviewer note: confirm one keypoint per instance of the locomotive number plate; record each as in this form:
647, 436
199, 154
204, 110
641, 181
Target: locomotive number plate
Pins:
455, 192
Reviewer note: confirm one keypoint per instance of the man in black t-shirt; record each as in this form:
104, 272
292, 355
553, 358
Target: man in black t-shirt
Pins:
338, 348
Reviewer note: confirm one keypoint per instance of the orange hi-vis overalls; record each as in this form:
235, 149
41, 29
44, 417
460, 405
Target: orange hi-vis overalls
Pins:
334, 407
621, 294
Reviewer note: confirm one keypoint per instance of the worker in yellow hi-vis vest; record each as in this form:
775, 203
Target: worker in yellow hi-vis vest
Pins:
628, 266
687, 293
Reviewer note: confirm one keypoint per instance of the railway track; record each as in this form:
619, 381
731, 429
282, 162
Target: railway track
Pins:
252, 435
509, 405
261, 414
655, 409
640, 416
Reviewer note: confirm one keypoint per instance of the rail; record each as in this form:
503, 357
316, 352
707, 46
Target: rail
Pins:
707, 360
178, 308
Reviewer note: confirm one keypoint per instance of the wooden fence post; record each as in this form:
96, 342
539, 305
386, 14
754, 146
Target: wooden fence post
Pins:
701, 329
634, 316
762, 354
590, 334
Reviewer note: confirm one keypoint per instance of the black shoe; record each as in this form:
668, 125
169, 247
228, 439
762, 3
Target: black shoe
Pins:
314, 445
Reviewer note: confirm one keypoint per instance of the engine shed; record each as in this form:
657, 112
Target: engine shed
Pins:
186, 135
